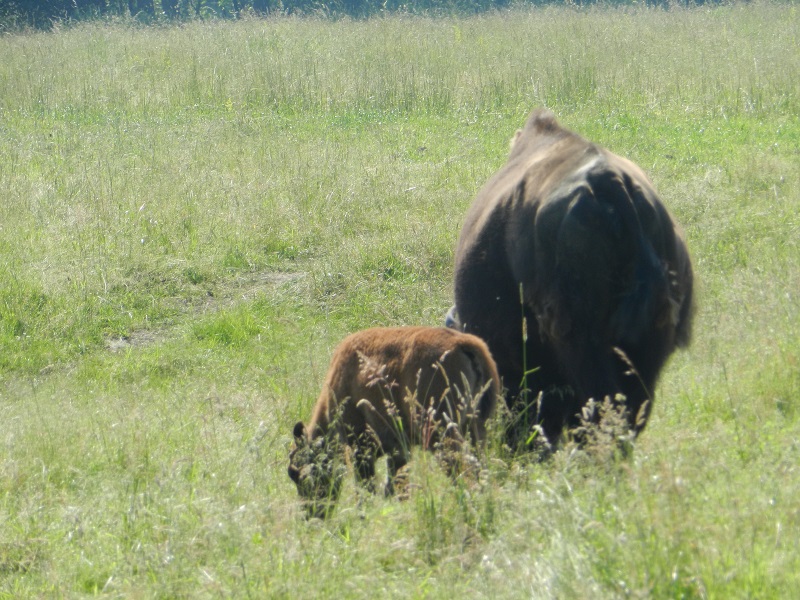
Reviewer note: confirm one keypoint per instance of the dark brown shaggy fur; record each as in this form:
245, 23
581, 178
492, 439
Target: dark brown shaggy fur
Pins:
572, 243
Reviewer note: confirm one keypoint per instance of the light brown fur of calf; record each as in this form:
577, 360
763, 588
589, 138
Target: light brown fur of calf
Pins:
390, 388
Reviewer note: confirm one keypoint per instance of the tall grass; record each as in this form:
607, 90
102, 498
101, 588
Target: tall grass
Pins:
193, 216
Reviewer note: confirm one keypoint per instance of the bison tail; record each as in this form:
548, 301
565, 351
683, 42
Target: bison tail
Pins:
682, 293
646, 297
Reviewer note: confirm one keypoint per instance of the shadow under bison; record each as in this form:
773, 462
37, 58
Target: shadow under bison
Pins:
574, 273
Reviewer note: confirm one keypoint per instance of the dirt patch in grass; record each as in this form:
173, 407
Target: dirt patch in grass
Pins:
224, 294
142, 337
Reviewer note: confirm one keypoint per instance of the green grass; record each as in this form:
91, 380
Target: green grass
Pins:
192, 217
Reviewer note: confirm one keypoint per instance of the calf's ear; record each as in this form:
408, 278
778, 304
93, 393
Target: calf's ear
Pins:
299, 433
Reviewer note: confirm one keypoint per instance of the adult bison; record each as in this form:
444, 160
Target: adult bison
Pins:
572, 270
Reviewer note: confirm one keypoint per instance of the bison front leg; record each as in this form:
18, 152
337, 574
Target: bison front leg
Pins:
365, 451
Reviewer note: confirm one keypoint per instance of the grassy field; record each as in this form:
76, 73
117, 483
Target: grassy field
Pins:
192, 217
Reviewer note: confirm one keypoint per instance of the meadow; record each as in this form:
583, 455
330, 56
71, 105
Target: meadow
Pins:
193, 216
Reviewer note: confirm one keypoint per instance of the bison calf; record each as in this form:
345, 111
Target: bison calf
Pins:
387, 389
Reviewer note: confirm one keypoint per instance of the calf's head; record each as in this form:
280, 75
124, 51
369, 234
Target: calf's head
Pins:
315, 467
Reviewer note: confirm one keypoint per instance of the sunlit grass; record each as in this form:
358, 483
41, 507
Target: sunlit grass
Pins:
192, 217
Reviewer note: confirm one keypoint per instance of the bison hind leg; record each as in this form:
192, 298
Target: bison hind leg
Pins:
455, 455
397, 476
536, 422
606, 429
